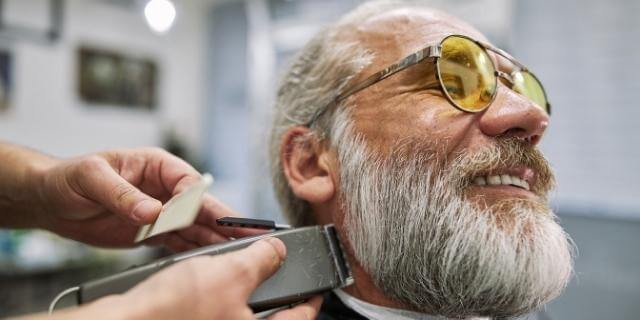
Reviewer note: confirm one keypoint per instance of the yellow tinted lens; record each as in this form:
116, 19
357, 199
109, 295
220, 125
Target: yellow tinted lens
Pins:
527, 85
467, 73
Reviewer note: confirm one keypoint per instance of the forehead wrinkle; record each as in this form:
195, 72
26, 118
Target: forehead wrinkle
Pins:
393, 35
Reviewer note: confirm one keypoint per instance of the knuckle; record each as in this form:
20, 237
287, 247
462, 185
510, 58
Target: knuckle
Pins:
157, 151
122, 191
244, 269
194, 268
91, 164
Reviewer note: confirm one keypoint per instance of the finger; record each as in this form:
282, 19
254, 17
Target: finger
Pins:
157, 240
104, 185
213, 209
305, 311
175, 174
172, 241
254, 264
184, 183
201, 235
175, 243
154, 170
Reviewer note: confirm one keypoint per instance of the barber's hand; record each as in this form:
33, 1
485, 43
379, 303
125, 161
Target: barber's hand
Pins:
103, 199
204, 287
215, 287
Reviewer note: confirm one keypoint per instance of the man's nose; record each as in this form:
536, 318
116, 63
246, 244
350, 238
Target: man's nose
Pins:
513, 115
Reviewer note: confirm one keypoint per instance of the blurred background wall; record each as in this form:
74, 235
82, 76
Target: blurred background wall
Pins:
45, 110
216, 70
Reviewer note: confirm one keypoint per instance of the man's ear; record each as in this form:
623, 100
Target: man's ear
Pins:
307, 165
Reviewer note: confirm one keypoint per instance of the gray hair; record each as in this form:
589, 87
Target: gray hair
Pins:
323, 67
316, 76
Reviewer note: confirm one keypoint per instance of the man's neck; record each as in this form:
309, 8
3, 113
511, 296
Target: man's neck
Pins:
378, 312
365, 290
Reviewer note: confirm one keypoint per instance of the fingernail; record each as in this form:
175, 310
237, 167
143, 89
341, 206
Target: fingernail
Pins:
146, 209
278, 245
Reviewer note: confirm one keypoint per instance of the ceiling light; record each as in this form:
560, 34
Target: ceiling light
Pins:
160, 15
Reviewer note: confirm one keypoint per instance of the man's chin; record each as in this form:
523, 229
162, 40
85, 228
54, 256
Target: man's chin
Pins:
511, 213
506, 261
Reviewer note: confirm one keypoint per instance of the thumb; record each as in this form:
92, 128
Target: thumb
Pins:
112, 191
255, 264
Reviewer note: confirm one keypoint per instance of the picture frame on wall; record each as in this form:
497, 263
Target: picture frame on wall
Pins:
113, 79
6, 81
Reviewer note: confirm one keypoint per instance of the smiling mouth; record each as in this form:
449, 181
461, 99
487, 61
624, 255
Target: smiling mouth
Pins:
503, 179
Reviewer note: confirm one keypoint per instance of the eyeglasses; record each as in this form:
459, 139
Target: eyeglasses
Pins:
465, 73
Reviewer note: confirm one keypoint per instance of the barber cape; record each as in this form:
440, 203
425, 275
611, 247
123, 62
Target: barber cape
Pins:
338, 305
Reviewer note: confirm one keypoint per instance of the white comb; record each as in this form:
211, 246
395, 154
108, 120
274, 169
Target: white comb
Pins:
179, 212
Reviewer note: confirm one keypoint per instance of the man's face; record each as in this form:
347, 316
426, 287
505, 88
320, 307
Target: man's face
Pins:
400, 107
429, 234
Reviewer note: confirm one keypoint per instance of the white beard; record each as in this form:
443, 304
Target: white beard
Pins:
428, 247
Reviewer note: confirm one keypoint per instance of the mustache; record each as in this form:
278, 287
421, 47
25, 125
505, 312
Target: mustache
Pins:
460, 168
504, 153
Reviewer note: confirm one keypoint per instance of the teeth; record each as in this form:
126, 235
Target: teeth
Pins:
503, 179
481, 181
493, 180
517, 182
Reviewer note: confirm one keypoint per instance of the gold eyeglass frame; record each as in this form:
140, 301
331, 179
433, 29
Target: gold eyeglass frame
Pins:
434, 51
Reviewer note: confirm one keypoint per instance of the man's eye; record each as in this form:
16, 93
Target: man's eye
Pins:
486, 95
454, 92
506, 82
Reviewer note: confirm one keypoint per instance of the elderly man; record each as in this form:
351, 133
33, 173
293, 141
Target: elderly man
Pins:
402, 126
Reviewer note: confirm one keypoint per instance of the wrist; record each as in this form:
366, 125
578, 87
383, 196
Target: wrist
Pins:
20, 204
110, 307
37, 185
115, 307
150, 301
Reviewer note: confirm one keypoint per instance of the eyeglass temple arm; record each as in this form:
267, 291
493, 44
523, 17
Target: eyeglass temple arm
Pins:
502, 53
504, 76
415, 58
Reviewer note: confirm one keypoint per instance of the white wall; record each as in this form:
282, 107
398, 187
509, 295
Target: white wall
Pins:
586, 54
46, 112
